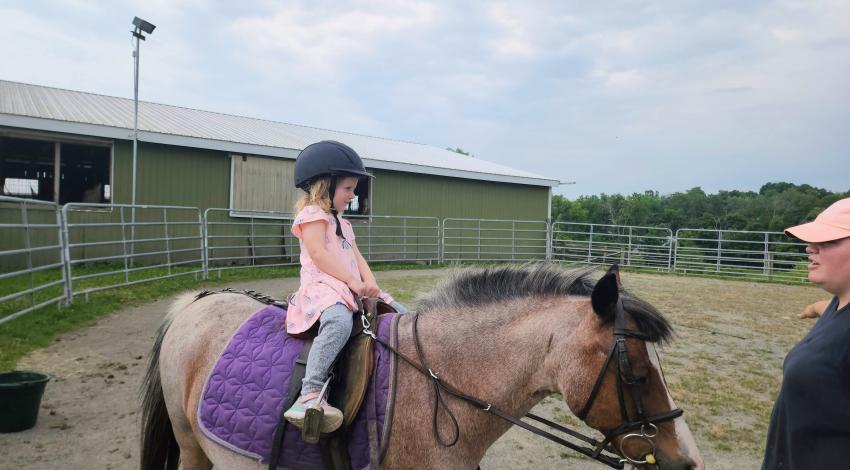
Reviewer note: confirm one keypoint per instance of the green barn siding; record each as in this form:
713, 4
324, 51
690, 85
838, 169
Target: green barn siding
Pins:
172, 176
397, 193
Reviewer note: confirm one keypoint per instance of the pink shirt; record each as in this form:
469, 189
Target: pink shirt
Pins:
320, 290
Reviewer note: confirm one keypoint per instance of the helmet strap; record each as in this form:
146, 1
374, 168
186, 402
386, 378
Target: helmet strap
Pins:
331, 192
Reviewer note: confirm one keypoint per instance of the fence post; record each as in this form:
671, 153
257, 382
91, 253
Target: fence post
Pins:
62, 258
673, 248
66, 248
369, 226
629, 255
479, 239
513, 240
204, 231
441, 241
550, 236
767, 270
28, 246
252, 243
404, 237
167, 240
590, 244
719, 250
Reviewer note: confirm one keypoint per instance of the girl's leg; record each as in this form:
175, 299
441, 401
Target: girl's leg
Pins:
334, 330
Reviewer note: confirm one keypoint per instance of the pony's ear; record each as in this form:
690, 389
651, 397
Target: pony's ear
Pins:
605, 294
615, 270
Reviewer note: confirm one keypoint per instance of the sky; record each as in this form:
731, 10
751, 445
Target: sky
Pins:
615, 96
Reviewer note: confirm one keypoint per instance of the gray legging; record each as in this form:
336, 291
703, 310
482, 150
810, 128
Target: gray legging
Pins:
334, 329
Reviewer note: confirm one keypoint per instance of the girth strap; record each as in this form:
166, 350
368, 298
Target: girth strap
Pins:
292, 393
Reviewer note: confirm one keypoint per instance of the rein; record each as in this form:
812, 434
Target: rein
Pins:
597, 452
439, 385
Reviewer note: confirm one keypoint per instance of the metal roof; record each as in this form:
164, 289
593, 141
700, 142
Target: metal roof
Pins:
53, 109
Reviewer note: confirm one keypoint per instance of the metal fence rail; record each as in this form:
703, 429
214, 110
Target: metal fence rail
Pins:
251, 239
31, 256
50, 254
397, 238
645, 247
495, 240
752, 255
120, 245
263, 238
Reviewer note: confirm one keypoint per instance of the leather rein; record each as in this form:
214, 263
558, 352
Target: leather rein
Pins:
625, 377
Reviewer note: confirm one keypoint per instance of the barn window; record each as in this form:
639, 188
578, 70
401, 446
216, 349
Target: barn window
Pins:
266, 184
28, 169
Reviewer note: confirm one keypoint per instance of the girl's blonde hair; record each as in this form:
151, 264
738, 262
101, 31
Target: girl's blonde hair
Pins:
319, 195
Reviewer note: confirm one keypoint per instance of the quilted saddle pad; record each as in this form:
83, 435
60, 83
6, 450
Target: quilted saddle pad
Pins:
244, 394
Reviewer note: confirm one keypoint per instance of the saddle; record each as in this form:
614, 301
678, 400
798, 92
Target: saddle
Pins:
262, 336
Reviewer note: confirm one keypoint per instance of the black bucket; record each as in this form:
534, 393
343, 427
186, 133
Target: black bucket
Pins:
20, 397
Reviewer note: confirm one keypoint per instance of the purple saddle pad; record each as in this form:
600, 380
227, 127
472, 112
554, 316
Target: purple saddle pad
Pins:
244, 395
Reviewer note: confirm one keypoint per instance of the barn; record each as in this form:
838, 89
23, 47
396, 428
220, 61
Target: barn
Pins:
204, 159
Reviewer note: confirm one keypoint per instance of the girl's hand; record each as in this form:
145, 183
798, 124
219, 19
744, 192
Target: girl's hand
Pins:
358, 287
371, 289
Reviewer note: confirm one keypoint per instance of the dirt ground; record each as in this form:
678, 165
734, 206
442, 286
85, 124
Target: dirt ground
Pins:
88, 416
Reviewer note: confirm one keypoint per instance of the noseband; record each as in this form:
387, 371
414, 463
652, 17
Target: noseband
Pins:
625, 379
647, 425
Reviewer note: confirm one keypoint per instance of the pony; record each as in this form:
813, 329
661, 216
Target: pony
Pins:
511, 335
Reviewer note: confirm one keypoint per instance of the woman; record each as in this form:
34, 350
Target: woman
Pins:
810, 424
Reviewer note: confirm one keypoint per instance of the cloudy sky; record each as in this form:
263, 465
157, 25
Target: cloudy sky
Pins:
617, 96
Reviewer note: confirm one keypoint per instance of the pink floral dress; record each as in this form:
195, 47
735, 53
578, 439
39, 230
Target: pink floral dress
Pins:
320, 290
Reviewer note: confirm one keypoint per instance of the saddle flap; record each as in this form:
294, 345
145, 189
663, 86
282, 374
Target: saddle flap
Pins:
353, 372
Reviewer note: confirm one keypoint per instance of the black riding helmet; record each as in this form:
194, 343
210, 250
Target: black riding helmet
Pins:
328, 158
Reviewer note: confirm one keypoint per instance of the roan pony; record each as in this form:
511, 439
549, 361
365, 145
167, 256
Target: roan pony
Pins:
507, 335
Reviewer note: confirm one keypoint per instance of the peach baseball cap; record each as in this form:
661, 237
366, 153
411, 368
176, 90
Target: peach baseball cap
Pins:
831, 224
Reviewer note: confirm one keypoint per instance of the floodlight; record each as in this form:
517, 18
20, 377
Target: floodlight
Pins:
143, 25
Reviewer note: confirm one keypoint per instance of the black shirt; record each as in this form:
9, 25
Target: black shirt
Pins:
810, 423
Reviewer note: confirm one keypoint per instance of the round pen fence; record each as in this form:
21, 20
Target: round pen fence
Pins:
753, 255
243, 238
112, 245
495, 240
238, 239
31, 256
49, 254
397, 238
643, 247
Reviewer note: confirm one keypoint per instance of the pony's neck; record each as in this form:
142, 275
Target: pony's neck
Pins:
508, 353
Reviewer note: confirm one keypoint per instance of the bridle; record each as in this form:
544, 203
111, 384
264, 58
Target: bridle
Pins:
626, 379
647, 425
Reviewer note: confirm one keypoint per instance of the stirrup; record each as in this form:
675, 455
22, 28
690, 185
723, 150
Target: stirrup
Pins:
311, 431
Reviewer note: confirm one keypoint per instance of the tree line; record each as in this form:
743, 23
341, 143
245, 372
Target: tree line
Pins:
773, 208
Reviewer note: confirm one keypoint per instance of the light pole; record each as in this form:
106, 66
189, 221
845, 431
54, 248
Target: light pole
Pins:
141, 26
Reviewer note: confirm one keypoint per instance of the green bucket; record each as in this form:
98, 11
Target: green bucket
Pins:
20, 397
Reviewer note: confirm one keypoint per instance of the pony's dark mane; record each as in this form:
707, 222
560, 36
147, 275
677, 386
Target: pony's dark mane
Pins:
472, 287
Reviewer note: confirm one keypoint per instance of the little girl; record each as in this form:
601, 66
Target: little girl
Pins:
332, 269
